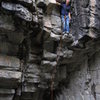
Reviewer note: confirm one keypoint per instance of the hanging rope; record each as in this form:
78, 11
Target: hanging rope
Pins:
55, 67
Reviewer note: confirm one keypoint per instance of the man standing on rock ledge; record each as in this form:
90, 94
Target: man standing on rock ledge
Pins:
65, 15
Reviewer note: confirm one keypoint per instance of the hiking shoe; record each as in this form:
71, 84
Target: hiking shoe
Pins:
67, 32
70, 35
63, 33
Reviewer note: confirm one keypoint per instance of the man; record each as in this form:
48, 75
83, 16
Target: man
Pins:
65, 15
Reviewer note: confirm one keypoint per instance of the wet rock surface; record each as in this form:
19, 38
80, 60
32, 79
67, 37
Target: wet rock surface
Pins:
30, 33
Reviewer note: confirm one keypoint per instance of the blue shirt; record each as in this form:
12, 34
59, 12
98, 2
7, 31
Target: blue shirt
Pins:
65, 9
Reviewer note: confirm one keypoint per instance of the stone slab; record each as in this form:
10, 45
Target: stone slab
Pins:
5, 48
6, 97
7, 91
28, 88
9, 79
9, 62
49, 55
97, 89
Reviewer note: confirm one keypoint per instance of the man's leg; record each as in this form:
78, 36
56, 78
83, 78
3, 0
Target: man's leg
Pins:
67, 24
63, 23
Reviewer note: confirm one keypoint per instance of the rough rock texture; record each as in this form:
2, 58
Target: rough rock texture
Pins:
30, 31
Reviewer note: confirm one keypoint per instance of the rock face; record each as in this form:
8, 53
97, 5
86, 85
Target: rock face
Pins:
30, 32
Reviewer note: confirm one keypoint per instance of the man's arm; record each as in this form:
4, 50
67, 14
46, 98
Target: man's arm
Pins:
69, 15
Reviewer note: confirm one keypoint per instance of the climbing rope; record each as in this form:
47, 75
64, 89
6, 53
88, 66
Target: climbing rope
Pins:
55, 67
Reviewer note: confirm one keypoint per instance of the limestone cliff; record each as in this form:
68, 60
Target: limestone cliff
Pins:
30, 31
